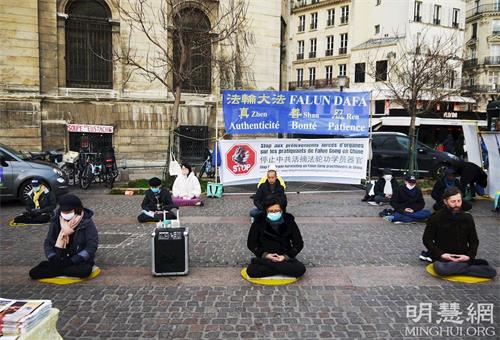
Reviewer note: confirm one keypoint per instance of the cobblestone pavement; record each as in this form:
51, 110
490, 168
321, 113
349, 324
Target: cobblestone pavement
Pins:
362, 274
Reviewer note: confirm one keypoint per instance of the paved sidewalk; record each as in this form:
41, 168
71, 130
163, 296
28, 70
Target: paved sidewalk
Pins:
362, 274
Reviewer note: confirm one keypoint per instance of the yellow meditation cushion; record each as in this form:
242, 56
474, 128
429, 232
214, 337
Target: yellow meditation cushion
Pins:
13, 224
67, 280
275, 280
456, 278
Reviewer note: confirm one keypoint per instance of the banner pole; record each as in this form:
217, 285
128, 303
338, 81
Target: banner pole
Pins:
370, 153
216, 138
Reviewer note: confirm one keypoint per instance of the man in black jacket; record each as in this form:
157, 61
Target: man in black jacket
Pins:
271, 188
156, 200
408, 202
40, 204
451, 237
471, 175
448, 181
275, 240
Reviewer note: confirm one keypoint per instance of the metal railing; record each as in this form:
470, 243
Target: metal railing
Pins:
300, 56
317, 84
491, 88
490, 7
492, 60
312, 54
329, 52
343, 50
470, 63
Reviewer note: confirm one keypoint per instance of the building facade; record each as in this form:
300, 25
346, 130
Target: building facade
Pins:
482, 54
61, 85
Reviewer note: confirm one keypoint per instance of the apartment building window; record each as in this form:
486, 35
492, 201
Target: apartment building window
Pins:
300, 77
312, 76
344, 19
343, 43
359, 73
300, 50
342, 70
312, 51
329, 74
493, 79
417, 11
88, 45
473, 53
329, 45
474, 31
302, 23
477, 6
495, 27
381, 70
377, 29
330, 21
314, 20
378, 2
455, 17
437, 13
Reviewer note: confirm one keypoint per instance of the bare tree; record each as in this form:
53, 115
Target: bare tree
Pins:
420, 75
190, 44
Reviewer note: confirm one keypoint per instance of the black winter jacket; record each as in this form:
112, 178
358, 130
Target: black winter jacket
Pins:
156, 202
401, 200
264, 192
443, 234
470, 172
378, 189
47, 202
82, 244
262, 238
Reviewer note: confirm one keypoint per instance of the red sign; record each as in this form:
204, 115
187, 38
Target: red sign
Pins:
240, 159
90, 128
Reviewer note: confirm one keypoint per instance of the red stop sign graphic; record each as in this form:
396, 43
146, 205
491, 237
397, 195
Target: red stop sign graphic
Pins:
240, 159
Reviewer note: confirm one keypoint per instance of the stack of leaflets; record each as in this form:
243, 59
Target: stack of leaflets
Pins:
20, 316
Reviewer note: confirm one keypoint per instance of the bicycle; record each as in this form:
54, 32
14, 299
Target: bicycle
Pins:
90, 171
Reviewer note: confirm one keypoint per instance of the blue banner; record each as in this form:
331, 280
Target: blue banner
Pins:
301, 112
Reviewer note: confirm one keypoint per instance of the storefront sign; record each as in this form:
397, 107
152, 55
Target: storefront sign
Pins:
90, 128
340, 160
301, 112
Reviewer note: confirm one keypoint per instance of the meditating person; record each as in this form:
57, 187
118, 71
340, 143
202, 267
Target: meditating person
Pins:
186, 189
275, 240
448, 181
269, 189
451, 238
408, 202
383, 189
71, 242
40, 204
264, 178
156, 200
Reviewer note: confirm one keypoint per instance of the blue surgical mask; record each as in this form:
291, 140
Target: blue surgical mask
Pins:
155, 190
274, 216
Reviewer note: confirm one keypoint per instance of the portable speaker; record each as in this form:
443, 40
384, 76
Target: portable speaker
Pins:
170, 251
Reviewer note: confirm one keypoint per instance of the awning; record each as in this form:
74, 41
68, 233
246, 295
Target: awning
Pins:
405, 121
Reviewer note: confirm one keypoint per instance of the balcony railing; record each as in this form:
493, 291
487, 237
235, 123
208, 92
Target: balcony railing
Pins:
454, 24
300, 56
312, 54
417, 18
343, 50
329, 22
491, 88
329, 52
436, 22
318, 84
492, 60
495, 32
313, 26
301, 28
491, 7
470, 63
344, 19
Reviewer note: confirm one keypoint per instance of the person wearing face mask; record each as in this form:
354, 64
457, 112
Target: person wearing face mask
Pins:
40, 204
448, 181
451, 237
186, 189
408, 203
271, 188
156, 199
71, 242
384, 188
275, 240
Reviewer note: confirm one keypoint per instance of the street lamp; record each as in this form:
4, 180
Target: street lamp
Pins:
341, 81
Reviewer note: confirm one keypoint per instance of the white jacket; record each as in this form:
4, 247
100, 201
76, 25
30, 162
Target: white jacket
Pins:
186, 186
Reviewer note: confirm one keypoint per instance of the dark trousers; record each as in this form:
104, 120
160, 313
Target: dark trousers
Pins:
143, 218
381, 199
466, 206
46, 269
263, 267
465, 268
28, 218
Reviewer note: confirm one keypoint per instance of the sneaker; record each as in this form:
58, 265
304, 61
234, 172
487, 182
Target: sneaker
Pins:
381, 203
425, 256
398, 222
252, 220
372, 203
388, 218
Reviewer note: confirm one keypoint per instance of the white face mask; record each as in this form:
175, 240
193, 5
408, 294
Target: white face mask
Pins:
387, 177
410, 186
68, 216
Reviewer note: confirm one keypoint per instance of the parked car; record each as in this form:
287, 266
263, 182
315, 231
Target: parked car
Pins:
17, 170
390, 150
